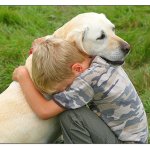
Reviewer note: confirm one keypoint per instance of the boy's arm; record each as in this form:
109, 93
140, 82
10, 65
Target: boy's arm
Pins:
43, 108
79, 94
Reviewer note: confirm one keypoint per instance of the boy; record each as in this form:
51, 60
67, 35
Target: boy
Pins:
120, 114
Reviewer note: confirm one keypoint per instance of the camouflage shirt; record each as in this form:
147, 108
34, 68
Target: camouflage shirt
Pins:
112, 97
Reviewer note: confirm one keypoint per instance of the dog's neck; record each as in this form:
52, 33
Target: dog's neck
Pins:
28, 65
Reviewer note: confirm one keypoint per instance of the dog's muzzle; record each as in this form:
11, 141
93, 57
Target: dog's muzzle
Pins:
125, 48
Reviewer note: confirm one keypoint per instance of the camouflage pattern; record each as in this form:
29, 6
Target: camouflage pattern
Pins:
112, 97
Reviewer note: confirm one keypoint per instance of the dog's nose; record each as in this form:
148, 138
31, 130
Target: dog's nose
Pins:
125, 47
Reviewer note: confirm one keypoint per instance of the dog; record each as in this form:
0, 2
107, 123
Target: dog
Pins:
93, 34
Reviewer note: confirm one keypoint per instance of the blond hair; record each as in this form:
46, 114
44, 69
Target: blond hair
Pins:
51, 63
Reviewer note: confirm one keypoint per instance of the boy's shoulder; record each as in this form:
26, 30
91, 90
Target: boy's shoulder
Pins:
98, 67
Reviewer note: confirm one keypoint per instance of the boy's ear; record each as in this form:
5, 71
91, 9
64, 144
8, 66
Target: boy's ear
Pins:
77, 68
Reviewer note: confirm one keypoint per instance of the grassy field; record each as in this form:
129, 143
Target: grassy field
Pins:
20, 25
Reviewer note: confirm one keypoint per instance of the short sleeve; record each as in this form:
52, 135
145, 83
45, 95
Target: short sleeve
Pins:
78, 95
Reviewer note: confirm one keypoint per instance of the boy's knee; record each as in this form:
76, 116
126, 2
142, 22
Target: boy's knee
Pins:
73, 115
70, 113
65, 116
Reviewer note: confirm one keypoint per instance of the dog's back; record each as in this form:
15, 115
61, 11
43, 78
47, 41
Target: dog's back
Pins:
19, 124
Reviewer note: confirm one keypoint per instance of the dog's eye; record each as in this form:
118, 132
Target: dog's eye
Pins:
101, 37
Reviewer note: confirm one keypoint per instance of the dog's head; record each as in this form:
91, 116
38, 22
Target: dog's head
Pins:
95, 34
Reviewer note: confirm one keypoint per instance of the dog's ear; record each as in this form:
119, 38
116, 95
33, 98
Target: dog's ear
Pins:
77, 37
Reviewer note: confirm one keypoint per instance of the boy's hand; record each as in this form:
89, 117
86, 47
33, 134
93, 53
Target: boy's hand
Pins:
38, 40
20, 73
35, 43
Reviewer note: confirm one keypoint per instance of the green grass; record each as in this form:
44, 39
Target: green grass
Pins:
20, 25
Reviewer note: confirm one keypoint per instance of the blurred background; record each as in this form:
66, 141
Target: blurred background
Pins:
20, 25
